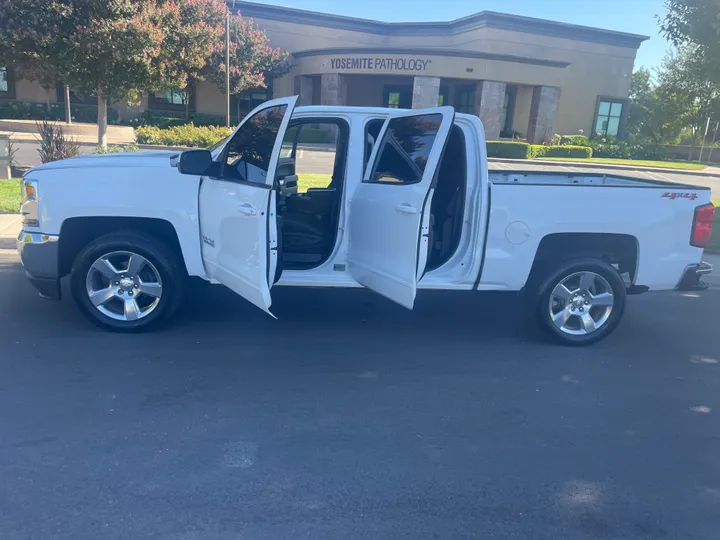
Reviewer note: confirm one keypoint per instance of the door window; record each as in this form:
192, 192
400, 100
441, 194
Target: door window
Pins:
405, 148
315, 152
248, 154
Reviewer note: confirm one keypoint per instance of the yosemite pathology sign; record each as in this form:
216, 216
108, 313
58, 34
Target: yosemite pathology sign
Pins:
380, 63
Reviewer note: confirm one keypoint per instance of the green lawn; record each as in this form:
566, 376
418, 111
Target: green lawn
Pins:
630, 162
306, 181
10, 196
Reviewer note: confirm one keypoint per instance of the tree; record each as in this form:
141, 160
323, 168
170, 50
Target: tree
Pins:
116, 49
252, 60
696, 22
28, 39
687, 91
194, 31
651, 118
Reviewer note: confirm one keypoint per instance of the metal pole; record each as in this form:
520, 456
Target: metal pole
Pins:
227, 69
702, 148
68, 115
712, 146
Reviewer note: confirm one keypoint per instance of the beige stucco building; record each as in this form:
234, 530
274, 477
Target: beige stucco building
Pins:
523, 76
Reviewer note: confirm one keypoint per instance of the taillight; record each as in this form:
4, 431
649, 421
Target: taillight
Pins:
702, 225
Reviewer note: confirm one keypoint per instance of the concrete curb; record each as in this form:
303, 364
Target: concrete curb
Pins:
10, 227
582, 165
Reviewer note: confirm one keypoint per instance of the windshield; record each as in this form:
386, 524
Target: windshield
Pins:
216, 148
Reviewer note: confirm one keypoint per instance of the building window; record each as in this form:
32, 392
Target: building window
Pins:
172, 99
4, 80
465, 100
75, 98
247, 100
7, 84
608, 117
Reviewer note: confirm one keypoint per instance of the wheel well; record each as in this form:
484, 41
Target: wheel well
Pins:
617, 249
76, 233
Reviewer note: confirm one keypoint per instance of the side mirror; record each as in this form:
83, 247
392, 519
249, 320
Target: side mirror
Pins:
195, 162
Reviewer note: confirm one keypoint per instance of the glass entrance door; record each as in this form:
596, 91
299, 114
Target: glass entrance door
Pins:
398, 97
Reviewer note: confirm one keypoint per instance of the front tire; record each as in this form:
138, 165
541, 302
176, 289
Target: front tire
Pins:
581, 302
127, 282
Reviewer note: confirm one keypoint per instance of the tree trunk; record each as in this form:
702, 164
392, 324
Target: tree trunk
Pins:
237, 107
68, 113
102, 119
187, 103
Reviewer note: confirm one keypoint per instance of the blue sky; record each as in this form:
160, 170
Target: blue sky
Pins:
634, 16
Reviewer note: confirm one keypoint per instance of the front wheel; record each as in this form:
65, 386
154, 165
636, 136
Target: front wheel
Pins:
127, 281
581, 302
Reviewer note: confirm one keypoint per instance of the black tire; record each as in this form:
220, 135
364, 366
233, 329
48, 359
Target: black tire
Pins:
564, 270
167, 263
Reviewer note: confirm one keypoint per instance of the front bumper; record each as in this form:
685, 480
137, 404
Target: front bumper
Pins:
690, 280
39, 255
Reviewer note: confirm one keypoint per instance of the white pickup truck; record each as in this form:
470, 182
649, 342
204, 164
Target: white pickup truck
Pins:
405, 202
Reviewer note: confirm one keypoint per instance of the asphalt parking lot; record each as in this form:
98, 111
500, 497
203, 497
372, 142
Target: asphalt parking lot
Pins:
350, 418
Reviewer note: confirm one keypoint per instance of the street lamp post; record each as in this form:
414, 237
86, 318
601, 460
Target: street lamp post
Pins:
227, 67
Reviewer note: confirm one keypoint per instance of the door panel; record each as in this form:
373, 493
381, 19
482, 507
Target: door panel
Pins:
389, 220
237, 210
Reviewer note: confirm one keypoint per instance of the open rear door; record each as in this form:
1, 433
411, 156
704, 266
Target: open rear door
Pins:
389, 218
237, 209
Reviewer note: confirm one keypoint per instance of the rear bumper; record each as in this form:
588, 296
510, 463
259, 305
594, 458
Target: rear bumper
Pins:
39, 256
690, 280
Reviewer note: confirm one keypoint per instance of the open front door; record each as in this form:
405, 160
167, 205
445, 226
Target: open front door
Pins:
390, 210
238, 224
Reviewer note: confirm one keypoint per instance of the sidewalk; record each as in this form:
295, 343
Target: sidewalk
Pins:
26, 130
10, 227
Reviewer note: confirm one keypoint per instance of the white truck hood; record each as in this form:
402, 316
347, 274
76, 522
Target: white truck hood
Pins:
120, 159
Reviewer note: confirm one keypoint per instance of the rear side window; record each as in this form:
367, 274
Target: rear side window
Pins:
372, 132
405, 148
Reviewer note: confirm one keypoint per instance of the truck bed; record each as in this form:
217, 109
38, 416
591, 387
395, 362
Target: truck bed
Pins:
559, 179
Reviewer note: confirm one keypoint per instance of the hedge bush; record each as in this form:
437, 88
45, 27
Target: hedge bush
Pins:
167, 119
582, 152
186, 135
204, 136
510, 150
619, 149
574, 140
116, 148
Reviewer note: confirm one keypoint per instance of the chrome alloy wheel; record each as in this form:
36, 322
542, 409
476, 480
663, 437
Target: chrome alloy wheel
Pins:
124, 286
581, 303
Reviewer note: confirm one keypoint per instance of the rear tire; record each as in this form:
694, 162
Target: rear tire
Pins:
580, 302
128, 281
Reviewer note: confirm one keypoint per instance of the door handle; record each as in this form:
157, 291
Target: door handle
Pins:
247, 209
406, 209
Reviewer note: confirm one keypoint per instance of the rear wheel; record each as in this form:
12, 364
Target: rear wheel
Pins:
581, 302
127, 282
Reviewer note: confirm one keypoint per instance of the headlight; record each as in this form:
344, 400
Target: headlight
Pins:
29, 206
